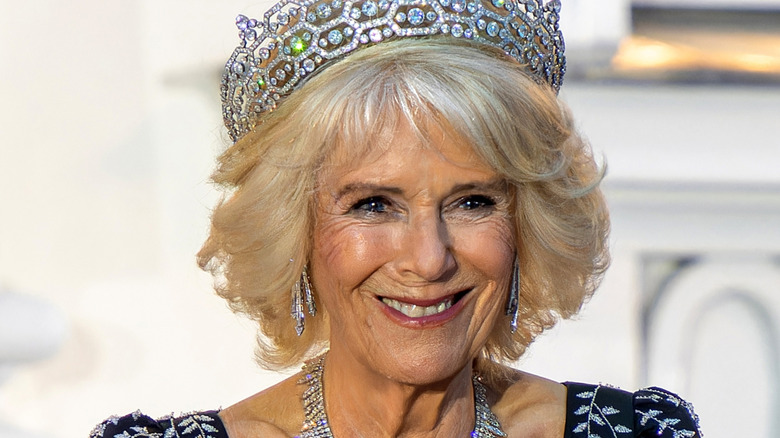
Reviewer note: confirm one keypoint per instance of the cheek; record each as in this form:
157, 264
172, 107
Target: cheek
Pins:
490, 246
345, 254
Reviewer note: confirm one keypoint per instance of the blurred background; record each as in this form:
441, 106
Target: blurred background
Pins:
110, 122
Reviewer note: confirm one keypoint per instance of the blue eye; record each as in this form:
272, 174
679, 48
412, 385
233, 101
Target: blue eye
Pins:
374, 204
475, 202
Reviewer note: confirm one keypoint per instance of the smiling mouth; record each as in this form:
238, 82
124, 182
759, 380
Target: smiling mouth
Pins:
418, 311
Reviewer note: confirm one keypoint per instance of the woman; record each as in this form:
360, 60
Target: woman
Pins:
404, 179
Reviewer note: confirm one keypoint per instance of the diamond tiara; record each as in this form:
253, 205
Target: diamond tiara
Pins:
296, 38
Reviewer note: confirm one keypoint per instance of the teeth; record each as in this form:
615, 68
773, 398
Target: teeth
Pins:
414, 311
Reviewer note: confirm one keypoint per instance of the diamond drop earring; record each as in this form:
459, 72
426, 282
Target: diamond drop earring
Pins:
512, 305
302, 294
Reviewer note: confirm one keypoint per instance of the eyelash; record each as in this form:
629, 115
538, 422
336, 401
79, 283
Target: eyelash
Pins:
371, 205
481, 202
375, 205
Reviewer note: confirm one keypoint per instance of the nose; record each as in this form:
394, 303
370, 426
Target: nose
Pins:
425, 251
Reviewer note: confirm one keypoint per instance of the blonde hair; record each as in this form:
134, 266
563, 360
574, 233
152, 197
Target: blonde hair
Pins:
261, 230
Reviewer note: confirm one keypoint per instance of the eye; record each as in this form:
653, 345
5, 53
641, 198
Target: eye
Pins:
475, 202
372, 205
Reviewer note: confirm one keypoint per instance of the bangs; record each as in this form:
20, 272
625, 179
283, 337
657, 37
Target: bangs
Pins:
361, 101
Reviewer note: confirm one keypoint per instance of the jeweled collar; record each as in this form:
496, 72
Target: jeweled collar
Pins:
316, 425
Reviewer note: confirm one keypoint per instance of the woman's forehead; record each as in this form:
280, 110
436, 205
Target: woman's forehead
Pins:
399, 133
404, 146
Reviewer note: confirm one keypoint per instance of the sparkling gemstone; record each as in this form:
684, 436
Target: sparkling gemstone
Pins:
252, 23
274, 81
238, 67
287, 68
364, 39
287, 50
457, 30
318, 59
523, 31
481, 24
471, 7
445, 3
354, 13
530, 7
283, 18
323, 42
458, 5
265, 53
323, 10
250, 34
280, 74
416, 16
335, 37
293, 12
430, 16
445, 28
503, 33
348, 31
468, 33
308, 65
337, 3
492, 28
387, 32
297, 45
311, 16
271, 46
400, 17
370, 8
375, 35
499, 3
384, 4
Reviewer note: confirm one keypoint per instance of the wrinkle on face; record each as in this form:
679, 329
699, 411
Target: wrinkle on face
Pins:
425, 246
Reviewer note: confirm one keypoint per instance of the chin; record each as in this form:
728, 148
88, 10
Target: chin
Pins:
424, 365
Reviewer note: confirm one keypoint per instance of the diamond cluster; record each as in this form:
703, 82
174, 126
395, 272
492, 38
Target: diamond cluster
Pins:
296, 37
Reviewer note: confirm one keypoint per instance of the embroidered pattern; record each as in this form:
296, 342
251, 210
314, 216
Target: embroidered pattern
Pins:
597, 421
137, 425
666, 425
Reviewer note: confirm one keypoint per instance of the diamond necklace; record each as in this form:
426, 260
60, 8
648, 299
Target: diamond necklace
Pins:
316, 424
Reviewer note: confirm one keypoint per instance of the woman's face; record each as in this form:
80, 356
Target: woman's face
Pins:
413, 250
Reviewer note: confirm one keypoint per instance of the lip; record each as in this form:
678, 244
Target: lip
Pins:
426, 321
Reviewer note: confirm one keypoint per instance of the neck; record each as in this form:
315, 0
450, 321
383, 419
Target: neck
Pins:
369, 404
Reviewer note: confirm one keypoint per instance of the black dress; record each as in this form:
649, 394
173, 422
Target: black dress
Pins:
592, 411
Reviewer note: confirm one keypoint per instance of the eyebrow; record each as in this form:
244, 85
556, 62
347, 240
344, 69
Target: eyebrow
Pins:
495, 185
366, 187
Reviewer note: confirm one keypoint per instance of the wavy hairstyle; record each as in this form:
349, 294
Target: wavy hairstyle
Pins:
261, 229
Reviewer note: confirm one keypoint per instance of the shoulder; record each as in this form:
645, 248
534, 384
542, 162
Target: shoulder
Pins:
599, 410
530, 406
274, 412
205, 424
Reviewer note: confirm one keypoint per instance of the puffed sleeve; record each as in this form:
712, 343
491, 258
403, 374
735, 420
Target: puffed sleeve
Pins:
660, 413
600, 411
137, 425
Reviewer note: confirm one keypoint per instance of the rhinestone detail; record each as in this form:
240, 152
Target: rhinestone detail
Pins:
323, 30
